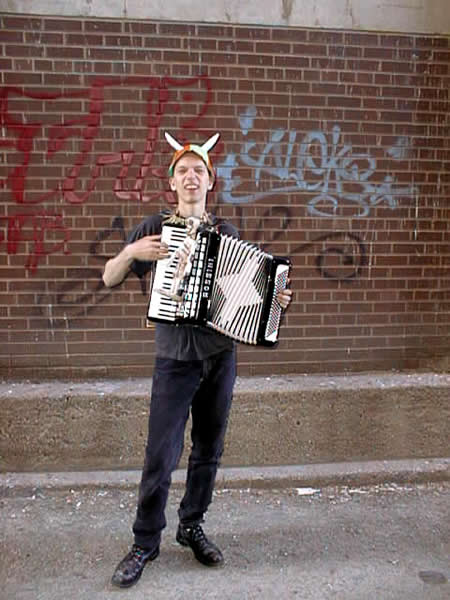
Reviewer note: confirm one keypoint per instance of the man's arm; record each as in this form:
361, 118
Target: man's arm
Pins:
117, 268
148, 249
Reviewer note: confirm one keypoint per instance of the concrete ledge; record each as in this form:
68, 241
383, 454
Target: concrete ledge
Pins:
313, 476
409, 15
101, 425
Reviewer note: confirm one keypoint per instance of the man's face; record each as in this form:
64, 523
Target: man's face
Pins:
191, 180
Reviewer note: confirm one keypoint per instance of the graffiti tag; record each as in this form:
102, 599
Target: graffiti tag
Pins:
316, 163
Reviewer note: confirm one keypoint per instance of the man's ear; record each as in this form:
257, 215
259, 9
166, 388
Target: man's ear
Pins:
211, 183
172, 184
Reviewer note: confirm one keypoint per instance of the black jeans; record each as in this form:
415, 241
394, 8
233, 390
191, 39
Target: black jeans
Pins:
205, 387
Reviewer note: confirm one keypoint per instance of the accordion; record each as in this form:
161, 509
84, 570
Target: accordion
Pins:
229, 285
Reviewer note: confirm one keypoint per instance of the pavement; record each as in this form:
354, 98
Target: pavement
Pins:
350, 531
331, 488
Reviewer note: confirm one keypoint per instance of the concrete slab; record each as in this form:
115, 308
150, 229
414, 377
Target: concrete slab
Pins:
101, 424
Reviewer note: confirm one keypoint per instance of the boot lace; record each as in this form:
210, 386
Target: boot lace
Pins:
198, 535
137, 553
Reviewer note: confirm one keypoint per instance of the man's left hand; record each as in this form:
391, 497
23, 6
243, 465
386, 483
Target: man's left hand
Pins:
284, 297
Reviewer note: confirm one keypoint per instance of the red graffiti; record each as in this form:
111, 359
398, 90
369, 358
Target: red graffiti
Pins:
37, 137
38, 232
23, 137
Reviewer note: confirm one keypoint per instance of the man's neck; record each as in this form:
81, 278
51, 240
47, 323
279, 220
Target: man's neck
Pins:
191, 210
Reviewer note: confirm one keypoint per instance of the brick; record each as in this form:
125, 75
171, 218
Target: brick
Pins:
306, 74
83, 39
379, 103
432, 42
64, 52
369, 78
105, 67
100, 26
254, 33
20, 51
25, 23
309, 49
290, 34
61, 79
344, 101
254, 59
140, 27
328, 89
331, 63
291, 87
14, 37
43, 65
186, 56
381, 53
156, 42
325, 37
5, 64
397, 67
345, 51
62, 25
18, 78
329, 76
110, 54
362, 39
441, 57
271, 48
185, 30
146, 56
433, 69
292, 62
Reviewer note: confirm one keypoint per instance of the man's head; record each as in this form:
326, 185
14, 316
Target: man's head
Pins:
191, 180
201, 151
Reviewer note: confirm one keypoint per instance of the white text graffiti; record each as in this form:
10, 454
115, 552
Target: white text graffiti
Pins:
316, 163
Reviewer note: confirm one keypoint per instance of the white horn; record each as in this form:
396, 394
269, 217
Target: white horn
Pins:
211, 142
173, 142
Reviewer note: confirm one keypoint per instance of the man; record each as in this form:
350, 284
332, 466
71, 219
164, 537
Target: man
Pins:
195, 370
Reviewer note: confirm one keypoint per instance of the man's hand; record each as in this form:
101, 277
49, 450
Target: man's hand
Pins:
148, 248
284, 297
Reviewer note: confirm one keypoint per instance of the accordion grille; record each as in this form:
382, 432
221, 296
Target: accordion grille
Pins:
237, 297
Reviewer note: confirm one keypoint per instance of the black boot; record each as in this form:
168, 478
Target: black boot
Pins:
129, 570
204, 551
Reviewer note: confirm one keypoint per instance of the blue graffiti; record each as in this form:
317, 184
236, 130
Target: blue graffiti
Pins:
322, 165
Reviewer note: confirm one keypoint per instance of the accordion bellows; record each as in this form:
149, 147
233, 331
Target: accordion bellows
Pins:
230, 286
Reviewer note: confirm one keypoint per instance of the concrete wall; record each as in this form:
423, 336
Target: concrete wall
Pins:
59, 426
431, 16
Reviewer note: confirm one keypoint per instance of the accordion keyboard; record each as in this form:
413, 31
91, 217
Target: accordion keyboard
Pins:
162, 307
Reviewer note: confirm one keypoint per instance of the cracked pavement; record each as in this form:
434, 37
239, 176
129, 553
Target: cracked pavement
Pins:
376, 542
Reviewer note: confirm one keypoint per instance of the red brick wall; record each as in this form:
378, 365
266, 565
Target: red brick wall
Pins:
334, 151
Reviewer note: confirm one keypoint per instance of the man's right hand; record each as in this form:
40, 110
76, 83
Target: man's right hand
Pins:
148, 248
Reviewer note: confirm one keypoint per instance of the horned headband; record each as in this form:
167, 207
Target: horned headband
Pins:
201, 151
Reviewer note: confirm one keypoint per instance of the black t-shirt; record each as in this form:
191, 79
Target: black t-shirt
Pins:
181, 341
